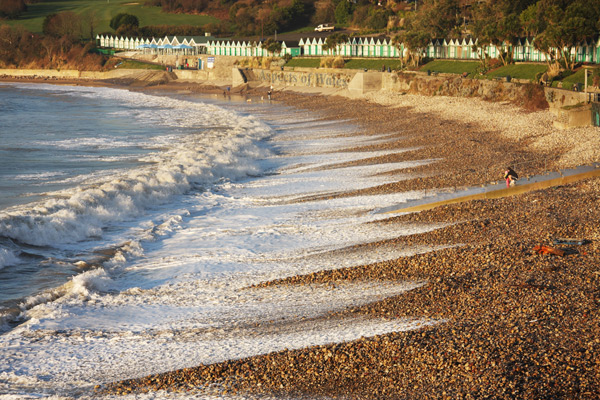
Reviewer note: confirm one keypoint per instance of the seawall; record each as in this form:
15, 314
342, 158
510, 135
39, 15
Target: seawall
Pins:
355, 83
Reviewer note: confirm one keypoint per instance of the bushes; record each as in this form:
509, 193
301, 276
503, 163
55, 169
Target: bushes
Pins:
11, 9
256, 62
22, 49
534, 98
124, 19
332, 62
65, 23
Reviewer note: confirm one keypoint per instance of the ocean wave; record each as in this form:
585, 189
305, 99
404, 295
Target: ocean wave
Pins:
7, 258
219, 145
80, 286
39, 176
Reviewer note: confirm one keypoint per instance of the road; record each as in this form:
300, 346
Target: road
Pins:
297, 36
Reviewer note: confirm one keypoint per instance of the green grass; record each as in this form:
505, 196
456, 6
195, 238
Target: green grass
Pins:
518, 71
571, 80
376, 65
304, 62
133, 64
451, 66
105, 10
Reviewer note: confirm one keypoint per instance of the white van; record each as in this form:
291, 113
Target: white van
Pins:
324, 27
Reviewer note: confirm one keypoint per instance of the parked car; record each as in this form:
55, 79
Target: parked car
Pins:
324, 28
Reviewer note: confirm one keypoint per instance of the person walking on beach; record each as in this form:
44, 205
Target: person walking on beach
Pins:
511, 177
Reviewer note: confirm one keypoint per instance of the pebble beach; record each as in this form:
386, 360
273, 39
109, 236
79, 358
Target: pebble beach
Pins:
506, 321
509, 323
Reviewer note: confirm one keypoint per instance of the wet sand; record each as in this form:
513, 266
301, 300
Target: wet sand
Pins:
512, 323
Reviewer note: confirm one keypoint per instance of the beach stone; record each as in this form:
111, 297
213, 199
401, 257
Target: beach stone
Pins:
507, 323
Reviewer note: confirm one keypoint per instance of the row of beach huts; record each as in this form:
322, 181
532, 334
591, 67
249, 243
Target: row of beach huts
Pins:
367, 47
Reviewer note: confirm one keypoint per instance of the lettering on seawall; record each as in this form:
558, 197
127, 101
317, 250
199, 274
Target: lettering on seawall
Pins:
304, 79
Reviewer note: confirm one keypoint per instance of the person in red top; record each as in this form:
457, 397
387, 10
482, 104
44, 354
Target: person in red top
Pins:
511, 177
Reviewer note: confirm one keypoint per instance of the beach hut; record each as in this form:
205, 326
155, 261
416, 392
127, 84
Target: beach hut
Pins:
434, 50
451, 49
519, 53
360, 47
214, 47
471, 49
311, 47
301, 43
318, 46
290, 47
344, 49
430, 50
385, 48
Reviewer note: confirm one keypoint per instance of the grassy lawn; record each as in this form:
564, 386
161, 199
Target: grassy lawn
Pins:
304, 62
451, 67
105, 10
133, 64
571, 80
376, 65
518, 71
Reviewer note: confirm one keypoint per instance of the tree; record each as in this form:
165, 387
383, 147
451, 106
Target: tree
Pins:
298, 14
378, 18
272, 46
433, 19
565, 26
9, 42
11, 9
440, 18
415, 42
124, 19
325, 12
63, 24
334, 40
262, 16
496, 25
530, 21
90, 19
343, 11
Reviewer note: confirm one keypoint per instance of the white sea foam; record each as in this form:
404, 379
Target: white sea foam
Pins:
39, 176
225, 147
7, 258
178, 293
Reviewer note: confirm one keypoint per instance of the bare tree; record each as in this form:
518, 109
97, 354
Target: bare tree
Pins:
91, 20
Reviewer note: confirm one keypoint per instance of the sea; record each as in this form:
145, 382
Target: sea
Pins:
135, 226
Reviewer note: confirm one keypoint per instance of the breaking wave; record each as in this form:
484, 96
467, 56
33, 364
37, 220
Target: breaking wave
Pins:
7, 258
216, 145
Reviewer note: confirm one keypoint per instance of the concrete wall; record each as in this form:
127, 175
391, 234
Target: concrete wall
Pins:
364, 82
559, 98
221, 71
573, 117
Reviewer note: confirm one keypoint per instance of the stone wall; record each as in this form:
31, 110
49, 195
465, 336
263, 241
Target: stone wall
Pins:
451, 85
307, 77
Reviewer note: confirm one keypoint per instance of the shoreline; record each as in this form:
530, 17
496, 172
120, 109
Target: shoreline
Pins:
517, 324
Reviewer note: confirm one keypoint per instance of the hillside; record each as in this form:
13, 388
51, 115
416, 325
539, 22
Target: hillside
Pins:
99, 14
231, 17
